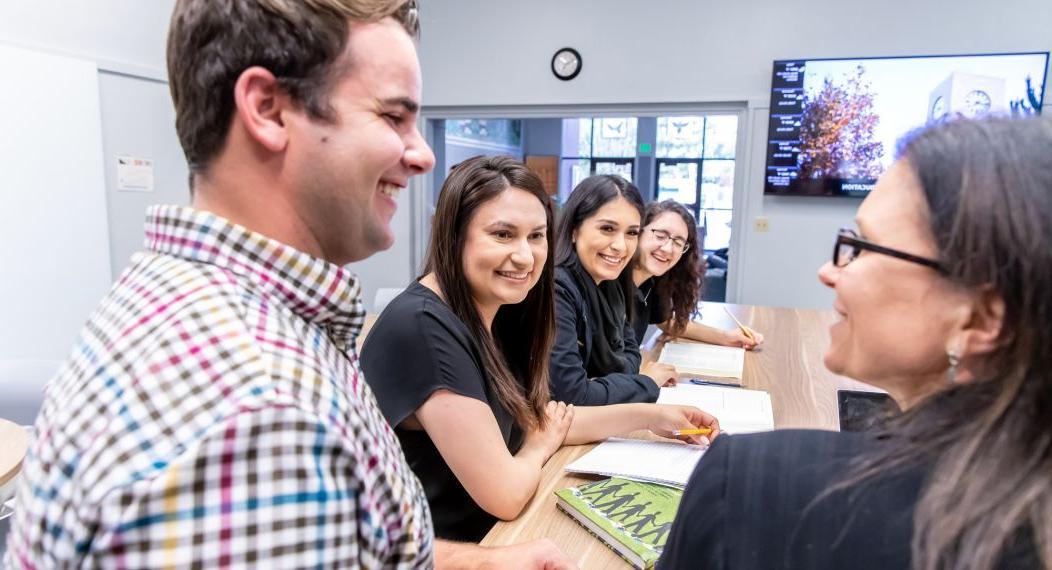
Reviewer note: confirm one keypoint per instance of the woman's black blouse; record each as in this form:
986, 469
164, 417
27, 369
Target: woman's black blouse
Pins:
649, 308
572, 380
763, 501
416, 347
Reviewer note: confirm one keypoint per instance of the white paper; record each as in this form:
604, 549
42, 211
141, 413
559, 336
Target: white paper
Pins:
738, 410
134, 174
704, 359
666, 462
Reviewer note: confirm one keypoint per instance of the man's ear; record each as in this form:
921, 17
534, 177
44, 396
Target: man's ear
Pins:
259, 102
983, 329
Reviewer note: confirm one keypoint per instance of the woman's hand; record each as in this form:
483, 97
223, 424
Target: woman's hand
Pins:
547, 441
661, 374
735, 337
665, 419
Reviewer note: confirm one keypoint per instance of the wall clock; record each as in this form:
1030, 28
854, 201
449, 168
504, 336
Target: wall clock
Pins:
566, 63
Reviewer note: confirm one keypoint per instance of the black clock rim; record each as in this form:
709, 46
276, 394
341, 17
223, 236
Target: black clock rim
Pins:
580, 63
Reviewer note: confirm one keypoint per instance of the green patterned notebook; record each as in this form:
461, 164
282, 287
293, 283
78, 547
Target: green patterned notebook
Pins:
631, 517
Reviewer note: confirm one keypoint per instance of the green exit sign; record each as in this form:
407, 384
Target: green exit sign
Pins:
645, 148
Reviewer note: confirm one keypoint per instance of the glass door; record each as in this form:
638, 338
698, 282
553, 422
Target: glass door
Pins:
677, 179
619, 166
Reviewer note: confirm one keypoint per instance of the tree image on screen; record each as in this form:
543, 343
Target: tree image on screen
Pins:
836, 131
1031, 105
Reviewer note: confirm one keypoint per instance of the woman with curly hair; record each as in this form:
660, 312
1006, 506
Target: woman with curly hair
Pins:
668, 281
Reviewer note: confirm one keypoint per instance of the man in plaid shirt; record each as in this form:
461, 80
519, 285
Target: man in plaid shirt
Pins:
213, 413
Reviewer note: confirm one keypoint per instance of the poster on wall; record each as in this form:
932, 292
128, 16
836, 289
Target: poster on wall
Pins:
134, 174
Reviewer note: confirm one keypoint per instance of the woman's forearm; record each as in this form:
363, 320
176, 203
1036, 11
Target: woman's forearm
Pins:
596, 423
697, 331
510, 487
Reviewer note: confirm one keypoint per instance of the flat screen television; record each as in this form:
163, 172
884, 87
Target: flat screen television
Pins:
835, 123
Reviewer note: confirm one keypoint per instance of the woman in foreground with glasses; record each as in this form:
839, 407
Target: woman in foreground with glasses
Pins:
946, 303
669, 282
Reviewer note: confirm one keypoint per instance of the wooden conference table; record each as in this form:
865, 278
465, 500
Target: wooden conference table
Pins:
788, 366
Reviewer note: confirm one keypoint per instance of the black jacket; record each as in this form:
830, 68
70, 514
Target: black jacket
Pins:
756, 501
571, 381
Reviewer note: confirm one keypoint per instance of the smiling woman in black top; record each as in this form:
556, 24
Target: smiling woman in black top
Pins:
596, 358
459, 361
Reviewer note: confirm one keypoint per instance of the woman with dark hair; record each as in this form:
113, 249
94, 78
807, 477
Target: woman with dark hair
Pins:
945, 297
668, 279
596, 357
459, 361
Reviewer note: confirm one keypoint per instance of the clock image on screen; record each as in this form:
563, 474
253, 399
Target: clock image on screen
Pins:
938, 109
976, 103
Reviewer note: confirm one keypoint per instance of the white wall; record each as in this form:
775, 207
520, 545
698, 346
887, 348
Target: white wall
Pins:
127, 34
138, 120
126, 40
54, 247
498, 53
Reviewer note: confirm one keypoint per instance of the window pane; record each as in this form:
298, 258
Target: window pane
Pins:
503, 132
614, 137
571, 173
717, 228
721, 136
624, 170
679, 137
678, 182
717, 184
577, 138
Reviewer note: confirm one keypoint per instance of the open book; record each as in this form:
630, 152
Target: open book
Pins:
739, 410
720, 363
632, 518
665, 462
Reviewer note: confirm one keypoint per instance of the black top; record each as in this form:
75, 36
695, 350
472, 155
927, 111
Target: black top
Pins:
649, 308
572, 380
416, 347
751, 503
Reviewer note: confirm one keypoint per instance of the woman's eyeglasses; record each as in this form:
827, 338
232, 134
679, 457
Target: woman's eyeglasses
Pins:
664, 237
849, 245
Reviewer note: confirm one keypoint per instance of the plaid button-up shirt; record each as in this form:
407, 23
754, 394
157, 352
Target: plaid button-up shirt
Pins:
213, 414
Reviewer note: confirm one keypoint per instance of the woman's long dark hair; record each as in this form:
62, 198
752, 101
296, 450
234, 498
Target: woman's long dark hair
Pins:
586, 199
515, 355
681, 284
988, 185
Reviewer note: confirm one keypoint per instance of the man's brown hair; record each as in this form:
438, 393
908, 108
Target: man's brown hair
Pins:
211, 42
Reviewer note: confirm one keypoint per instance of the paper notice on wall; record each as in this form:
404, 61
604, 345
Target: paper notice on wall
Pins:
134, 174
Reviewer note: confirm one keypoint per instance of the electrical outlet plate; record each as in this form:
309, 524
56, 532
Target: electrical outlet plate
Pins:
761, 224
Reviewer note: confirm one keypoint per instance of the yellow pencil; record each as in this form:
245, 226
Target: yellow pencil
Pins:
696, 431
745, 330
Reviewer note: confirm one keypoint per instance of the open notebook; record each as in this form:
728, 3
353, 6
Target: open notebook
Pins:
671, 462
739, 410
721, 363
665, 462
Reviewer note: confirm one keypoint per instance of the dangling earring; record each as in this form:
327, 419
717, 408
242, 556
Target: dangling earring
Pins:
955, 359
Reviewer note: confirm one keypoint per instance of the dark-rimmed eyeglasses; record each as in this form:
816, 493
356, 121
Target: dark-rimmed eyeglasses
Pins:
849, 245
664, 237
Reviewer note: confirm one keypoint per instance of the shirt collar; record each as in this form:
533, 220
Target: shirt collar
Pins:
318, 291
